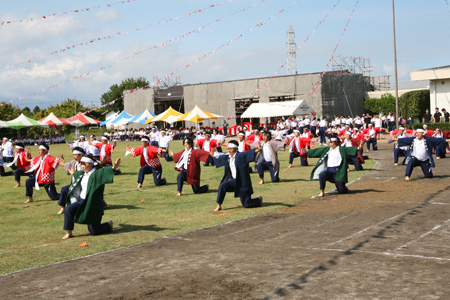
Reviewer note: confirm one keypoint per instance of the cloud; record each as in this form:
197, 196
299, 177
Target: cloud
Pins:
109, 15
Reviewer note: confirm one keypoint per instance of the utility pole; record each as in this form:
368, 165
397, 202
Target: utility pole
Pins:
77, 133
395, 66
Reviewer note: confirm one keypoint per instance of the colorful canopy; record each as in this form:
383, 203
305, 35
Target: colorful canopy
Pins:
122, 118
142, 117
197, 115
82, 120
23, 121
53, 121
169, 116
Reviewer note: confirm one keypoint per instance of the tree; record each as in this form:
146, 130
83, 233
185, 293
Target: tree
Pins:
36, 109
385, 104
27, 111
413, 104
9, 112
116, 92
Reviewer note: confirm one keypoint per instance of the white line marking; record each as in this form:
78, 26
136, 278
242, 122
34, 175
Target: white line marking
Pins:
382, 253
439, 203
364, 230
336, 220
423, 235
392, 178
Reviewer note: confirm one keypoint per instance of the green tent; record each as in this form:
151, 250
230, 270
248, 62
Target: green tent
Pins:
22, 121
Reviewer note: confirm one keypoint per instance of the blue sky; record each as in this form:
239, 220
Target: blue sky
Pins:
423, 40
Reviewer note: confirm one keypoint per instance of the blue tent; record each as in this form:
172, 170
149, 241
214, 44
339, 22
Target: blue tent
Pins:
141, 118
122, 118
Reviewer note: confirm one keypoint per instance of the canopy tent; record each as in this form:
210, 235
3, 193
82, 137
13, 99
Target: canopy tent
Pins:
141, 118
2, 124
82, 120
107, 122
169, 116
197, 115
278, 109
53, 121
121, 119
23, 121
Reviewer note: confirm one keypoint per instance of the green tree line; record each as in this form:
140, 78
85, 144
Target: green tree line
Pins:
411, 105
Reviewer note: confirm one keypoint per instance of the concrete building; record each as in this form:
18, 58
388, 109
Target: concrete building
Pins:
439, 85
340, 93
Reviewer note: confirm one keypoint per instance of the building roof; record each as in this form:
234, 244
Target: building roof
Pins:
437, 73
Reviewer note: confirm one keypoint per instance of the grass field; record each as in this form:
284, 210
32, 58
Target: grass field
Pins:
31, 233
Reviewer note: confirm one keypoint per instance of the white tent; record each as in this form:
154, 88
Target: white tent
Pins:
141, 118
278, 109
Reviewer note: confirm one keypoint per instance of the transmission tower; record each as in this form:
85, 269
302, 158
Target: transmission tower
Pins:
291, 52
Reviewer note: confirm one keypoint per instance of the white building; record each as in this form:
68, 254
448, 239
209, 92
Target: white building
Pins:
439, 85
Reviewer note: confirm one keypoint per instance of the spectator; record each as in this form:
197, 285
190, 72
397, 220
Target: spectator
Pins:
225, 128
446, 115
437, 116
426, 117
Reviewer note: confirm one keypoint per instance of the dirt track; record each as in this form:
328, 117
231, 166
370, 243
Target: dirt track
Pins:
387, 239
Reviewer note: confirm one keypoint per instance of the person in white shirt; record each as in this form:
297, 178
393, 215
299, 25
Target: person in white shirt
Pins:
332, 165
419, 153
236, 175
164, 143
90, 193
154, 137
92, 149
8, 152
323, 124
268, 159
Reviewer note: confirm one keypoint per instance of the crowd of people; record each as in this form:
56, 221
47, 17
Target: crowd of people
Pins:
253, 150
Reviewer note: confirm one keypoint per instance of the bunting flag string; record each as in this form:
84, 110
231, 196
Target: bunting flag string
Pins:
238, 37
110, 36
76, 11
197, 30
319, 82
266, 84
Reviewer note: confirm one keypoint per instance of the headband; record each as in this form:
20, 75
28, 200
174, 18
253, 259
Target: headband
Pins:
420, 130
333, 139
145, 140
88, 160
82, 136
401, 128
241, 134
19, 147
231, 145
77, 152
104, 138
296, 130
43, 148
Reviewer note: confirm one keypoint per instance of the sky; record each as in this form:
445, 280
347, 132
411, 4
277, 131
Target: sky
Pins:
422, 27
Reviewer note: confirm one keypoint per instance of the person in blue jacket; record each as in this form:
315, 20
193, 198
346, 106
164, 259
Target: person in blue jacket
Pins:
419, 153
236, 176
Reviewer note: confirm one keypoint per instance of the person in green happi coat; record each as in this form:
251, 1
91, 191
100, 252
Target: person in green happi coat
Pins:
86, 197
332, 165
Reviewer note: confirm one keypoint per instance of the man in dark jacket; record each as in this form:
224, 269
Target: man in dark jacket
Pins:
236, 176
